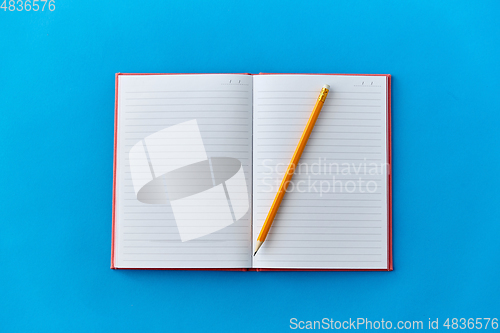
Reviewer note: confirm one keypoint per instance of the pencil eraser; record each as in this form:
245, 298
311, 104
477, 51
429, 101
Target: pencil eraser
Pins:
326, 86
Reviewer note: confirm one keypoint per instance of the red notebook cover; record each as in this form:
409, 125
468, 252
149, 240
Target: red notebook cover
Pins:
389, 180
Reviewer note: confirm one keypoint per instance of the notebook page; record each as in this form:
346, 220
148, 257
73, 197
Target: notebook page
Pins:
184, 171
334, 214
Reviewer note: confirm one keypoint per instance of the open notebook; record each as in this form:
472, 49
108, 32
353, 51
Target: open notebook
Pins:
199, 158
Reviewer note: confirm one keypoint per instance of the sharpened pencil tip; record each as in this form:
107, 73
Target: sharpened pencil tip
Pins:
257, 247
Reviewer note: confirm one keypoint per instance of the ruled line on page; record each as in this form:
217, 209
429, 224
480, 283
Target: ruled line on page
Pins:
182, 117
349, 105
330, 99
183, 111
324, 125
336, 199
182, 91
181, 253
315, 145
188, 104
168, 247
325, 108
334, 117
316, 91
183, 98
161, 125
281, 260
318, 131
230, 263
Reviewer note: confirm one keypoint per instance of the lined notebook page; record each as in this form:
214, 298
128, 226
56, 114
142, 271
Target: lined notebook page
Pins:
334, 214
184, 174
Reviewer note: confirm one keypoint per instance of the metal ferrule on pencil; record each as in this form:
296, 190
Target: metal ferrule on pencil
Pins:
323, 94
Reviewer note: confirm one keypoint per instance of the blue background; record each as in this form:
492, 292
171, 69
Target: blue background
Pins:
57, 98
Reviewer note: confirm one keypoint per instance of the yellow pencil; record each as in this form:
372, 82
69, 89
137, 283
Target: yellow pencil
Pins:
291, 167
